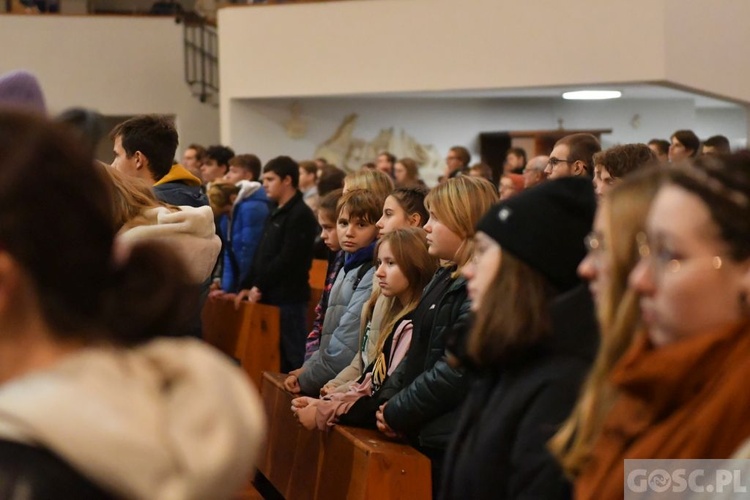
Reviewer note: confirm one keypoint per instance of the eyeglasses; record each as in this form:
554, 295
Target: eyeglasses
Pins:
662, 261
556, 161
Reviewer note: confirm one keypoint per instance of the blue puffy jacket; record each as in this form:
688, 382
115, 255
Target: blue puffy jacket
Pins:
242, 233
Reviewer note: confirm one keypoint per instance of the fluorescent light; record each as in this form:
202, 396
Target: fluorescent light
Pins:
592, 95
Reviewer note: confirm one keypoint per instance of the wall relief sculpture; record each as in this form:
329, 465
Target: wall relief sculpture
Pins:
348, 152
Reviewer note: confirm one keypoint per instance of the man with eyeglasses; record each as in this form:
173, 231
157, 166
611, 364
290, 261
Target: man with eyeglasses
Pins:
457, 162
572, 156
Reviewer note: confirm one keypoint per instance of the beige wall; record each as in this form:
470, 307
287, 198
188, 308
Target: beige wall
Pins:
377, 47
416, 45
707, 46
116, 65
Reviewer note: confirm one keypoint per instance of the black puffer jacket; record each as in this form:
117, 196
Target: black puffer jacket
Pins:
429, 394
499, 450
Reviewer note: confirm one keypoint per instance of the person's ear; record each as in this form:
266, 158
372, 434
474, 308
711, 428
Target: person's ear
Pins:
579, 168
414, 219
140, 160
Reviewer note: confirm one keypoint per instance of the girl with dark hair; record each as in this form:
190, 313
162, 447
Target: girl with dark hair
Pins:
404, 207
92, 403
683, 144
531, 344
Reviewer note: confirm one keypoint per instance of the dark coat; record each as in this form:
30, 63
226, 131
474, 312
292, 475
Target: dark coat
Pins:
499, 450
37, 474
179, 193
430, 392
283, 258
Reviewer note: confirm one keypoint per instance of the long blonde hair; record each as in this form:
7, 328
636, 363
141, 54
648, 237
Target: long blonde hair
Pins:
626, 207
131, 198
459, 203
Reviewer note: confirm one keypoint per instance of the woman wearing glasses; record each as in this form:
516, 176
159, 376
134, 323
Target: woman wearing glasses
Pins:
612, 255
682, 385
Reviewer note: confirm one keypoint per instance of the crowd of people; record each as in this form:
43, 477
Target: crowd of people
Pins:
527, 329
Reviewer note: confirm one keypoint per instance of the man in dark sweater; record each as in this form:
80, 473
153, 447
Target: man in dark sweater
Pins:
279, 273
144, 147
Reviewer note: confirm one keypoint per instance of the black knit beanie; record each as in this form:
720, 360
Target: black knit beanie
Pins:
545, 227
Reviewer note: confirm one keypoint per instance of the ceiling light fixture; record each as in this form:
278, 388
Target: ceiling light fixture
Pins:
592, 95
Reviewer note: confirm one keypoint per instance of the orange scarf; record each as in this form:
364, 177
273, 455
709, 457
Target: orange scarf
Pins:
689, 399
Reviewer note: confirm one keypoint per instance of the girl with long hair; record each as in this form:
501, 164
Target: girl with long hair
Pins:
403, 269
612, 255
403, 208
428, 391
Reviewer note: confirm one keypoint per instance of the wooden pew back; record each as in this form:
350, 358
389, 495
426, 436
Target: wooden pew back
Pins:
250, 335
344, 463
317, 280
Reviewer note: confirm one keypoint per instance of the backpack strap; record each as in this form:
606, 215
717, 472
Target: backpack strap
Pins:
366, 266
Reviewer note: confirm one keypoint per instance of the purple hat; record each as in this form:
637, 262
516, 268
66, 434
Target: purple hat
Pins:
20, 89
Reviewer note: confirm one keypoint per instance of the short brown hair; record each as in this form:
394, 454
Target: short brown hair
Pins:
249, 162
463, 154
310, 167
154, 136
688, 139
200, 151
361, 203
582, 147
621, 160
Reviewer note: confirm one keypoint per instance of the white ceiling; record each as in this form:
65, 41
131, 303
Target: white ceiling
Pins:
629, 91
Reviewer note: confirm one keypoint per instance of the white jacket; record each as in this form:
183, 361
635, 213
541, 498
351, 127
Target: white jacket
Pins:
190, 231
170, 420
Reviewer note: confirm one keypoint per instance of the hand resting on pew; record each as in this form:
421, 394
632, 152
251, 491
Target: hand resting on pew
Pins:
304, 409
291, 383
252, 295
382, 425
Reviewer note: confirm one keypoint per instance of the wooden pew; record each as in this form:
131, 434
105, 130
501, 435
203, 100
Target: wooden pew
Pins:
317, 280
250, 335
318, 270
344, 463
